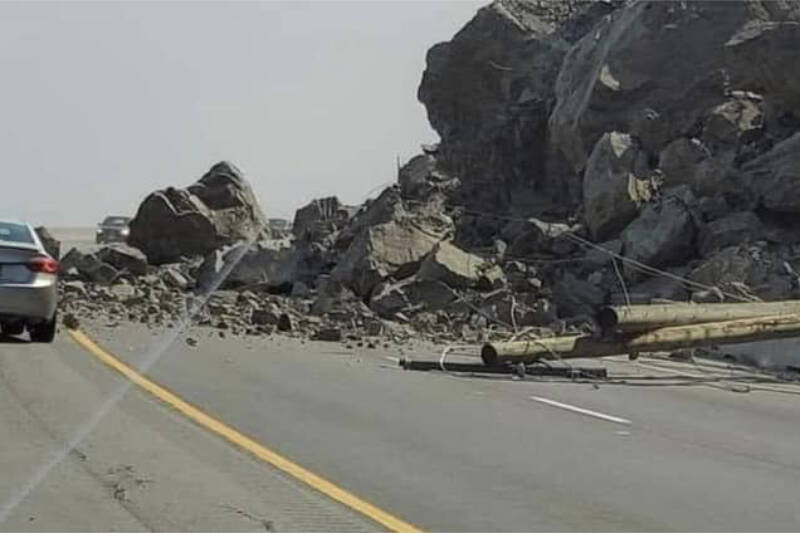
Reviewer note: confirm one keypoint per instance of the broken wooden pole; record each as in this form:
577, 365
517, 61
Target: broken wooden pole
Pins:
549, 348
662, 339
637, 318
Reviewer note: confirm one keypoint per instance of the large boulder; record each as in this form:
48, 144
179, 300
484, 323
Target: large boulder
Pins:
124, 258
265, 263
219, 210
688, 161
745, 271
87, 267
612, 188
387, 207
488, 93
736, 228
455, 267
763, 57
652, 69
391, 249
321, 217
533, 237
663, 235
577, 297
775, 176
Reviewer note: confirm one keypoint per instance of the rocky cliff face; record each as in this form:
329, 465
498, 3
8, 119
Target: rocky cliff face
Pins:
657, 123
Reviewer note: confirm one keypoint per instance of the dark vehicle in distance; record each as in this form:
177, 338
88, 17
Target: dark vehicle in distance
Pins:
112, 229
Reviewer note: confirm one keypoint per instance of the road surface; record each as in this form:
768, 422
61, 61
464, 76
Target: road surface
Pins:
442, 452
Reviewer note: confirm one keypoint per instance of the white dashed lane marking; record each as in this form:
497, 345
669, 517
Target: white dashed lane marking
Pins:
581, 410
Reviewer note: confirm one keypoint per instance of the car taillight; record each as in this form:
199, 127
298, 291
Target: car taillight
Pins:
43, 264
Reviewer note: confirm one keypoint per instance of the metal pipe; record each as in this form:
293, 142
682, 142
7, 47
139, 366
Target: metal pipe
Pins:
636, 318
663, 339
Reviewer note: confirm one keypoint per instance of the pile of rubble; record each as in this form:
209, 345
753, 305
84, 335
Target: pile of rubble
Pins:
591, 153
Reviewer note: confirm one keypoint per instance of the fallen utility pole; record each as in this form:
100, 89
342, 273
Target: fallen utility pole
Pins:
637, 318
662, 339
519, 369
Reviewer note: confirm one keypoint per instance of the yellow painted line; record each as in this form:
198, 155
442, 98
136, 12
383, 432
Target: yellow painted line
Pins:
280, 462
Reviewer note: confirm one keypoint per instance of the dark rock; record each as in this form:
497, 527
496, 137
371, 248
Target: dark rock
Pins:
387, 207
663, 235
285, 322
656, 289
688, 161
455, 267
762, 57
70, 321
381, 251
320, 218
415, 176
775, 176
736, 228
577, 297
270, 262
328, 335
51, 245
124, 258
300, 290
89, 267
219, 210
614, 184
652, 69
537, 236
263, 317
488, 94
746, 271
602, 254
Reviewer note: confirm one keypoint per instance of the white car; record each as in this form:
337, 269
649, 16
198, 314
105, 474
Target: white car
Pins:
28, 283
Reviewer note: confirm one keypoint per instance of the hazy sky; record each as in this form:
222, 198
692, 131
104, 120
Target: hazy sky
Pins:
104, 102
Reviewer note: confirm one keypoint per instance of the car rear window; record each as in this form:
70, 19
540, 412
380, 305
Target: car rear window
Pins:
115, 221
11, 232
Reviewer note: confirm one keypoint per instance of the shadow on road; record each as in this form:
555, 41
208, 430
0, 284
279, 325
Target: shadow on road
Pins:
6, 339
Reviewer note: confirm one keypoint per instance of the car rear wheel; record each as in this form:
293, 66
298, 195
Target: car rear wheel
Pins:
44, 332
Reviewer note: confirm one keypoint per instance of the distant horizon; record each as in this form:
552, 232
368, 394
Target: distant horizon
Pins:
104, 103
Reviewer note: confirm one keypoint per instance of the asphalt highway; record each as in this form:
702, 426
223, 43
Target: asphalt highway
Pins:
281, 434
664, 446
